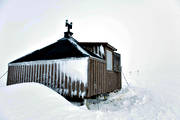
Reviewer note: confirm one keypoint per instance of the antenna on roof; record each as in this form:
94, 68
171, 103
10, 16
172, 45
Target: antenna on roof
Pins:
68, 34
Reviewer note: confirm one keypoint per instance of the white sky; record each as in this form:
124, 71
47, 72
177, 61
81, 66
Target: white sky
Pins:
145, 32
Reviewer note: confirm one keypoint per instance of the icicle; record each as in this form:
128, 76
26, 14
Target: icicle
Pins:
14, 74
32, 70
71, 87
22, 78
64, 91
14, 69
80, 88
20, 74
35, 78
67, 91
102, 50
47, 77
83, 94
57, 75
64, 77
41, 80
60, 75
25, 74
72, 93
75, 92
38, 72
28, 74
54, 75
79, 93
94, 50
44, 74
17, 74
98, 52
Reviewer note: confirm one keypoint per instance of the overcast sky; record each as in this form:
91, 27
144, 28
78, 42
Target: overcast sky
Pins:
145, 32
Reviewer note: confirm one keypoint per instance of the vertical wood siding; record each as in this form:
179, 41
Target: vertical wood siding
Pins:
48, 74
96, 81
100, 80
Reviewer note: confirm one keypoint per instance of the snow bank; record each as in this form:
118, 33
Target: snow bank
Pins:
31, 101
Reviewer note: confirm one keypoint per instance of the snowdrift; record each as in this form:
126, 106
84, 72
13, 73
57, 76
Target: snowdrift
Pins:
32, 101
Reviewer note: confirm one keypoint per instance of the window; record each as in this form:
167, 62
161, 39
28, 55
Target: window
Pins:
117, 62
109, 59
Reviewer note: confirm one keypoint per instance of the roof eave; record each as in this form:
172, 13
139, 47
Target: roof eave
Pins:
103, 43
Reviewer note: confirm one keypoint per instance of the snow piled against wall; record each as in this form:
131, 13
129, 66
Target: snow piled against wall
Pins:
32, 101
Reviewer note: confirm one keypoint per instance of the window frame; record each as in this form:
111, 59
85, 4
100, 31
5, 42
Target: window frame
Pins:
111, 65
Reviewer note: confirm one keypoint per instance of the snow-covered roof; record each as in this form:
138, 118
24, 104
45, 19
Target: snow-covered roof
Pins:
63, 48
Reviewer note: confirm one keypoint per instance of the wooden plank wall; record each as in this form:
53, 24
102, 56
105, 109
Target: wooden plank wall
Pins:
48, 74
100, 80
113, 81
96, 77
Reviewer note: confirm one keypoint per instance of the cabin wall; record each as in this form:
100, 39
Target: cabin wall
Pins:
113, 77
101, 80
97, 83
51, 74
113, 81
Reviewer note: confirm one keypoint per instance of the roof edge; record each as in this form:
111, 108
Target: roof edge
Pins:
104, 43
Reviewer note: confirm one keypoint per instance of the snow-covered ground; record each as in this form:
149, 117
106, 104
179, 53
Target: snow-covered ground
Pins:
136, 104
33, 101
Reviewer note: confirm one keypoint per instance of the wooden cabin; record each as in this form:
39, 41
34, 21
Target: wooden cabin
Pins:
71, 68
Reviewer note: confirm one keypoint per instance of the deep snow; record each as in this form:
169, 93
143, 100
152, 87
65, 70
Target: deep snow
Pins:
35, 101
132, 103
